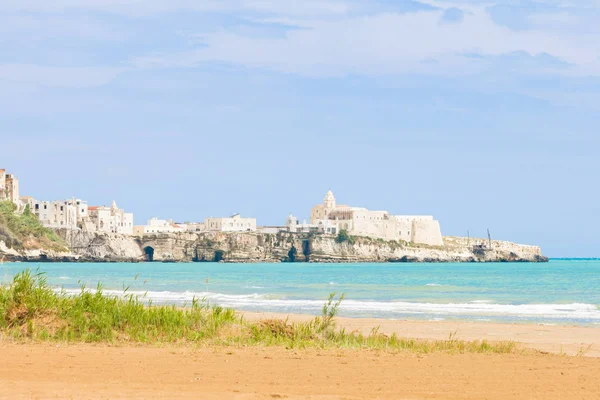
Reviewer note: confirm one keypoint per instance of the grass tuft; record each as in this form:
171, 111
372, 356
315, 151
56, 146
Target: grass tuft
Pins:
31, 309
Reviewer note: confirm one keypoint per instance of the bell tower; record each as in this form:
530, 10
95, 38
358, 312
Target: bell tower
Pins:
329, 202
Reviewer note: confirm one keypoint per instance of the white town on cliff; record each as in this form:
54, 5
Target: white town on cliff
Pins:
327, 218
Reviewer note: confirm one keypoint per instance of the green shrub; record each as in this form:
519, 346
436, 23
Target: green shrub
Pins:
25, 230
344, 237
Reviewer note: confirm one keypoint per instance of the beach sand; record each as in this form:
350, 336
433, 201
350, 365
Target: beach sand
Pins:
85, 371
42, 371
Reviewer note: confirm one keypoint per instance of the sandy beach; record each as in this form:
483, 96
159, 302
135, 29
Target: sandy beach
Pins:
43, 371
84, 371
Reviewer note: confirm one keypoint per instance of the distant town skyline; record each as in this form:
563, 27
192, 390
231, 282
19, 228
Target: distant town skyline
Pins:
484, 116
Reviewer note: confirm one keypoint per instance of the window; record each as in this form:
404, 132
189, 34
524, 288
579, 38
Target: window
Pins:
45, 207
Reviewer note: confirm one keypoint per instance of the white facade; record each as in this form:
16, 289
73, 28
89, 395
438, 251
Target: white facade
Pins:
111, 219
273, 230
156, 225
234, 223
378, 224
67, 214
321, 226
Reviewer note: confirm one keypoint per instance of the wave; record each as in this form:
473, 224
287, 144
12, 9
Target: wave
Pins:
434, 284
266, 302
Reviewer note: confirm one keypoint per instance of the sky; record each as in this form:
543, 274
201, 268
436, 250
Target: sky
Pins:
485, 114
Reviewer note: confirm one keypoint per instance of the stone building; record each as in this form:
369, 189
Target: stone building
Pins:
110, 219
235, 223
156, 225
9, 187
330, 217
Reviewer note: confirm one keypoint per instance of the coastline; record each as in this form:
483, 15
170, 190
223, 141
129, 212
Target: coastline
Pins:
252, 247
555, 339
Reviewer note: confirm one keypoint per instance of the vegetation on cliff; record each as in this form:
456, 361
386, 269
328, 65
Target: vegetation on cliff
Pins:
31, 309
24, 231
344, 237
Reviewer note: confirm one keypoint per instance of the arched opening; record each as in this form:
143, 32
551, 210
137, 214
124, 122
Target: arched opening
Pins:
149, 253
306, 249
219, 255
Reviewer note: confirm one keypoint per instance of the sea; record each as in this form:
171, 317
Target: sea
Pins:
561, 292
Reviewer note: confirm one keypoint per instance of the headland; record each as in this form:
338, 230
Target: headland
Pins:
253, 247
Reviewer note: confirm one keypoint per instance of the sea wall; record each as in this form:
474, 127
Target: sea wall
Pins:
259, 247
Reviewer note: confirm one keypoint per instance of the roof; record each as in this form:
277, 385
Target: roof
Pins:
93, 208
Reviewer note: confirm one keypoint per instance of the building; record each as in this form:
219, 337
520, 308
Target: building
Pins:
110, 219
330, 217
9, 187
67, 214
235, 223
321, 226
156, 226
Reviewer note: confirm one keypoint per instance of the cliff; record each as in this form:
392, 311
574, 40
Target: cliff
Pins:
257, 247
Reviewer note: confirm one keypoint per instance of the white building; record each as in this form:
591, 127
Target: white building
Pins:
359, 221
67, 214
111, 219
156, 226
322, 226
235, 223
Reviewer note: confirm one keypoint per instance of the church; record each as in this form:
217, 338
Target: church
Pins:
358, 221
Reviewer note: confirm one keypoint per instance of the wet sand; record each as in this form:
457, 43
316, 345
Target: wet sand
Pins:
44, 371
569, 340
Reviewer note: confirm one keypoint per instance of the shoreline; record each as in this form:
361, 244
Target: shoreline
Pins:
556, 339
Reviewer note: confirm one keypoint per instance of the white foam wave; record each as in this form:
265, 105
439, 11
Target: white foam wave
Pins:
434, 284
270, 303
64, 277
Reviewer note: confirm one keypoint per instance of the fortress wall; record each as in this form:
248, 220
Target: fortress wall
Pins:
404, 228
384, 229
427, 232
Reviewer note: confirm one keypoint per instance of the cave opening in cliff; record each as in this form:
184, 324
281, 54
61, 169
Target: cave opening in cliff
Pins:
306, 249
149, 252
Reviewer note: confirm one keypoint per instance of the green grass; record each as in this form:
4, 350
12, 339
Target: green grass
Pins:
31, 310
25, 230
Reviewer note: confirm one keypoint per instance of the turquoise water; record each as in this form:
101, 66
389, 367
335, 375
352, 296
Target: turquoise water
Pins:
559, 292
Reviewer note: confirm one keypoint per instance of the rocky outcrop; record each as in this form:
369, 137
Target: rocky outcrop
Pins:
257, 247
39, 255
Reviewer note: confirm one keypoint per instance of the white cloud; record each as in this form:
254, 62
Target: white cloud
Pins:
148, 7
58, 76
385, 44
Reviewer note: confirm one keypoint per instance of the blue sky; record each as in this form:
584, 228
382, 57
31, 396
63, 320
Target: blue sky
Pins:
484, 114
